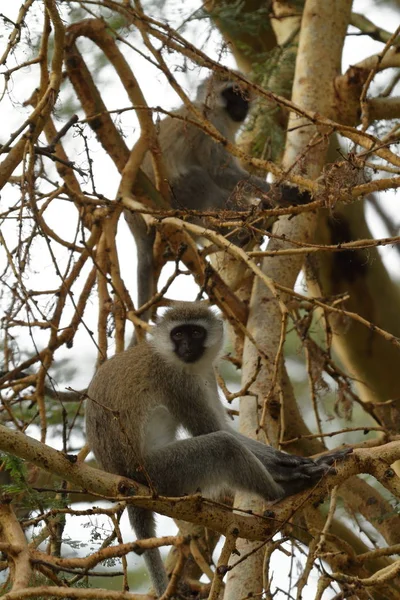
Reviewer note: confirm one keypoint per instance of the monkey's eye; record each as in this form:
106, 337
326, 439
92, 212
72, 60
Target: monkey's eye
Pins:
177, 335
197, 333
240, 91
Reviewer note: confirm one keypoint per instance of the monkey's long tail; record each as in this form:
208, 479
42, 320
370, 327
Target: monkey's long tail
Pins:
142, 521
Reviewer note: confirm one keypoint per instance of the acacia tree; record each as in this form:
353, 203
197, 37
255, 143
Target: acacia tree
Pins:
290, 54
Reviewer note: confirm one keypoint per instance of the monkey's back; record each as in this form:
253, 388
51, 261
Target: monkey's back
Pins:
115, 417
185, 146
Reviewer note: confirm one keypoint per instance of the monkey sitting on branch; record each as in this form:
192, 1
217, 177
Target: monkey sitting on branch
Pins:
200, 172
166, 383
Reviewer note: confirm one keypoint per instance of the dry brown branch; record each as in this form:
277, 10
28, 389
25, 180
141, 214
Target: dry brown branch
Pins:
172, 39
14, 36
372, 460
305, 248
369, 28
45, 104
378, 66
389, 60
222, 566
195, 551
365, 429
107, 553
79, 594
112, 486
384, 575
15, 546
66, 335
175, 577
275, 386
274, 287
96, 30
383, 108
265, 165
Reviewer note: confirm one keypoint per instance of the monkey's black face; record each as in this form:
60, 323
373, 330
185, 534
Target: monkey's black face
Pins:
237, 103
188, 342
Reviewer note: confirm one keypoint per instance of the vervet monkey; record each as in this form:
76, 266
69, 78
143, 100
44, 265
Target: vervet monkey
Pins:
166, 383
200, 171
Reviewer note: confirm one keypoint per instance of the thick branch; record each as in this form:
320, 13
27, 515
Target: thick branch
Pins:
12, 534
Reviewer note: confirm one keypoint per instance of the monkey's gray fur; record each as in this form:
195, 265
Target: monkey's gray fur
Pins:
200, 171
169, 382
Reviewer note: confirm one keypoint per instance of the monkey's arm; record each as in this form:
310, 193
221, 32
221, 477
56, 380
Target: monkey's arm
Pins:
231, 174
196, 190
227, 173
197, 416
272, 195
293, 473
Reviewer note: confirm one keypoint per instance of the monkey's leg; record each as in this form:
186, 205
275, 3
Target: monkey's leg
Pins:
209, 461
293, 473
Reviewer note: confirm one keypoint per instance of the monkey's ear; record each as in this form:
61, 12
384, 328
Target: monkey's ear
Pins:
156, 317
203, 301
182, 304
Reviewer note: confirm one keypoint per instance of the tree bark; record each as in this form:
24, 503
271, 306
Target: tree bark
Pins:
318, 62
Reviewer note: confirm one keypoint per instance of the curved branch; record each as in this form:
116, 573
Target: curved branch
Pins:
384, 108
11, 532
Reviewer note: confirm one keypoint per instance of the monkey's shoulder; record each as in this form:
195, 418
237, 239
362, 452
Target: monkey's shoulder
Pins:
181, 135
123, 372
136, 371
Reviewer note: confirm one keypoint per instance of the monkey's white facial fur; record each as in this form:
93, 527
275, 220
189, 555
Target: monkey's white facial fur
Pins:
189, 336
227, 96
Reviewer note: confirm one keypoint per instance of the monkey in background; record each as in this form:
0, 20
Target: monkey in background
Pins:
200, 171
166, 383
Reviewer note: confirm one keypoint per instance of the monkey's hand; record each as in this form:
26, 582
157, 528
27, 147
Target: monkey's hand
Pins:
296, 473
285, 195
